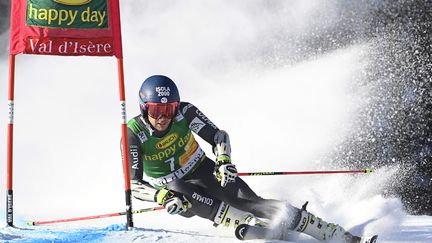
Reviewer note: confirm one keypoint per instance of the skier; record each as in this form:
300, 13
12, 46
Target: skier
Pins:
168, 166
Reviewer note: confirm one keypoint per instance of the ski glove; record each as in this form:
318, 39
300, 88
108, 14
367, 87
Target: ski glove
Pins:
142, 191
174, 202
225, 172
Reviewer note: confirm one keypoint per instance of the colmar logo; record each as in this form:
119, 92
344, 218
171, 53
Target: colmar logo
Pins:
168, 141
202, 199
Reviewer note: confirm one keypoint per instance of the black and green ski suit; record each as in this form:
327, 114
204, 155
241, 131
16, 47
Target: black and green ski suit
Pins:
174, 160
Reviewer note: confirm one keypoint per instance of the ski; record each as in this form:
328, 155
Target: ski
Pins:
372, 239
253, 232
250, 232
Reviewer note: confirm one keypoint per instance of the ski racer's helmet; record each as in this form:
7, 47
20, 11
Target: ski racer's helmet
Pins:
159, 96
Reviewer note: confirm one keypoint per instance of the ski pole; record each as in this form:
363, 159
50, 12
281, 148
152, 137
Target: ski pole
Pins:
365, 171
144, 210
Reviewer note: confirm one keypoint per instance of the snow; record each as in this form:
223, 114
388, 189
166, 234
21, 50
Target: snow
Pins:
282, 115
413, 229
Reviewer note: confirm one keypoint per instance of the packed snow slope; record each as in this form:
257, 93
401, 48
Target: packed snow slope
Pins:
266, 72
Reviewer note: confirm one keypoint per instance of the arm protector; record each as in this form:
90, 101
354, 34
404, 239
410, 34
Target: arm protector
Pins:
222, 144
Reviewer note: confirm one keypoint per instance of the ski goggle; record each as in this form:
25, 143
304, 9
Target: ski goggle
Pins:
156, 110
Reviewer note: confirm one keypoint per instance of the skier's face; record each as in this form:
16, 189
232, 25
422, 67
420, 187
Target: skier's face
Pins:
161, 123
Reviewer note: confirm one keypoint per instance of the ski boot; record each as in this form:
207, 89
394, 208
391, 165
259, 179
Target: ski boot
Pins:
319, 229
230, 216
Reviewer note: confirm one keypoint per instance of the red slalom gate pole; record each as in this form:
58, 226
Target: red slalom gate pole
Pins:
125, 146
9, 169
365, 171
144, 210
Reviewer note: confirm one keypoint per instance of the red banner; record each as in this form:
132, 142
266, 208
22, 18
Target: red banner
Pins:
66, 27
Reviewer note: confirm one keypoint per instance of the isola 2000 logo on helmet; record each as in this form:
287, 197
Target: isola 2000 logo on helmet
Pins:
82, 14
163, 91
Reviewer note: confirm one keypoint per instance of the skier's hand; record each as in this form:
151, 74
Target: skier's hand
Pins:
225, 172
142, 191
174, 202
